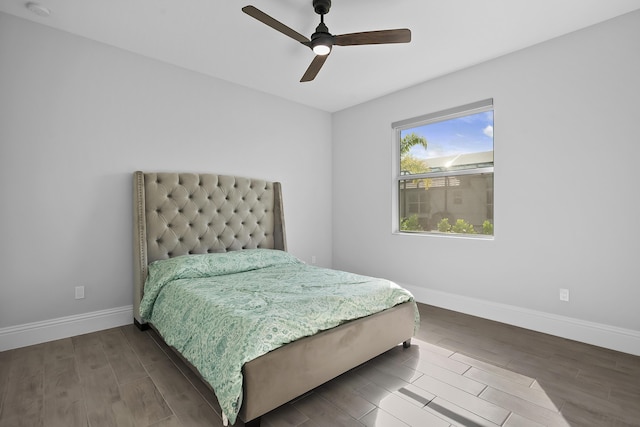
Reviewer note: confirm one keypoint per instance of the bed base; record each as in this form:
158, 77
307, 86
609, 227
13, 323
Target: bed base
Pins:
285, 373
281, 375
142, 326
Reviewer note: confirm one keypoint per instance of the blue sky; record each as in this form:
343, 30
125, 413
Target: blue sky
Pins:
468, 134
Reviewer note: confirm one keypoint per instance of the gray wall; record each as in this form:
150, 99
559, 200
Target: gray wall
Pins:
78, 117
567, 147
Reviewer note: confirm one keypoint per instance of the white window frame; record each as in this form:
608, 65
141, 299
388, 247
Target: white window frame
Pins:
398, 127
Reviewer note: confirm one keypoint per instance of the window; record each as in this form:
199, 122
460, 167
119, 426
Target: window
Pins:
444, 172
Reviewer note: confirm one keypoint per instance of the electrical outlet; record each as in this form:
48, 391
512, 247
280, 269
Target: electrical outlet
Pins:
79, 292
313, 259
564, 294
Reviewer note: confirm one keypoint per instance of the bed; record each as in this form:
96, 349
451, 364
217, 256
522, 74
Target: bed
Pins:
208, 220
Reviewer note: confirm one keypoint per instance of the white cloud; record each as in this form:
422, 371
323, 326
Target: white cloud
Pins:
488, 131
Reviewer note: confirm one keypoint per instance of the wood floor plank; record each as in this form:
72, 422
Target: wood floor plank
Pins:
61, 379
381, 418
436, 359
399, 370
628, 363
63, 391
456, 415
169, 379
181, 396
143, 345
26, 413
104, 404
604, 409
126, 366
352, 379
607, 378
171, 421
204, 390
399, 354
63, 412
375, 393
144, 401
578, 414
323, 413
87, 339
201, 414
24, 399
483, 408
583, 355
473, 350
460, 381
415, 395
345, 398
516, 420
525, 408
23, 403
532, 395
586, 402
409, 413
122, 358
284, 416
118, 414
569, 390
101, 384
59, 349
627, 400
90, 356
535, 366
491, 368
5, 365
383, 379
28, 360
428, 346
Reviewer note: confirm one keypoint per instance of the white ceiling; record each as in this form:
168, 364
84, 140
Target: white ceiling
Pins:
216, 38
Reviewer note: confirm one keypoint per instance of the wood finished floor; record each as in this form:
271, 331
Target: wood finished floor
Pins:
461, 370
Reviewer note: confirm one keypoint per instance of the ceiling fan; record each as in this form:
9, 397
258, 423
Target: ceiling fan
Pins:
322, 40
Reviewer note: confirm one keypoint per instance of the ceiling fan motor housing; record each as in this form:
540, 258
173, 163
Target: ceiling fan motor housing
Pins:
321, 37
322, 6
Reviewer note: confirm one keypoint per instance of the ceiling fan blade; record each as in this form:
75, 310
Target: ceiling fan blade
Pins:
402, 35
276, 25
314, 68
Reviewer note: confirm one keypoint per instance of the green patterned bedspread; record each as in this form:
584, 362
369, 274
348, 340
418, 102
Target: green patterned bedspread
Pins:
222, 310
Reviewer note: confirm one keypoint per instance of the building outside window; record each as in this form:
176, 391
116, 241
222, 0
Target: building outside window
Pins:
444, 172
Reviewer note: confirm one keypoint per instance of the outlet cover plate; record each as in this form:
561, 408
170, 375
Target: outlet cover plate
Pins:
564, 294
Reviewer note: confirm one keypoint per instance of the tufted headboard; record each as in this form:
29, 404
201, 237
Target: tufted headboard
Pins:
188, 213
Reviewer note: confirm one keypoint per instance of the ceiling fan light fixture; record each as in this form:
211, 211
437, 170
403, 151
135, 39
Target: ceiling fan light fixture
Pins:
321, 49
321, 40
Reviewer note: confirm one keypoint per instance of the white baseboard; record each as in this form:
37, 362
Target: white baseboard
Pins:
601, 335
64, 327
612, 337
